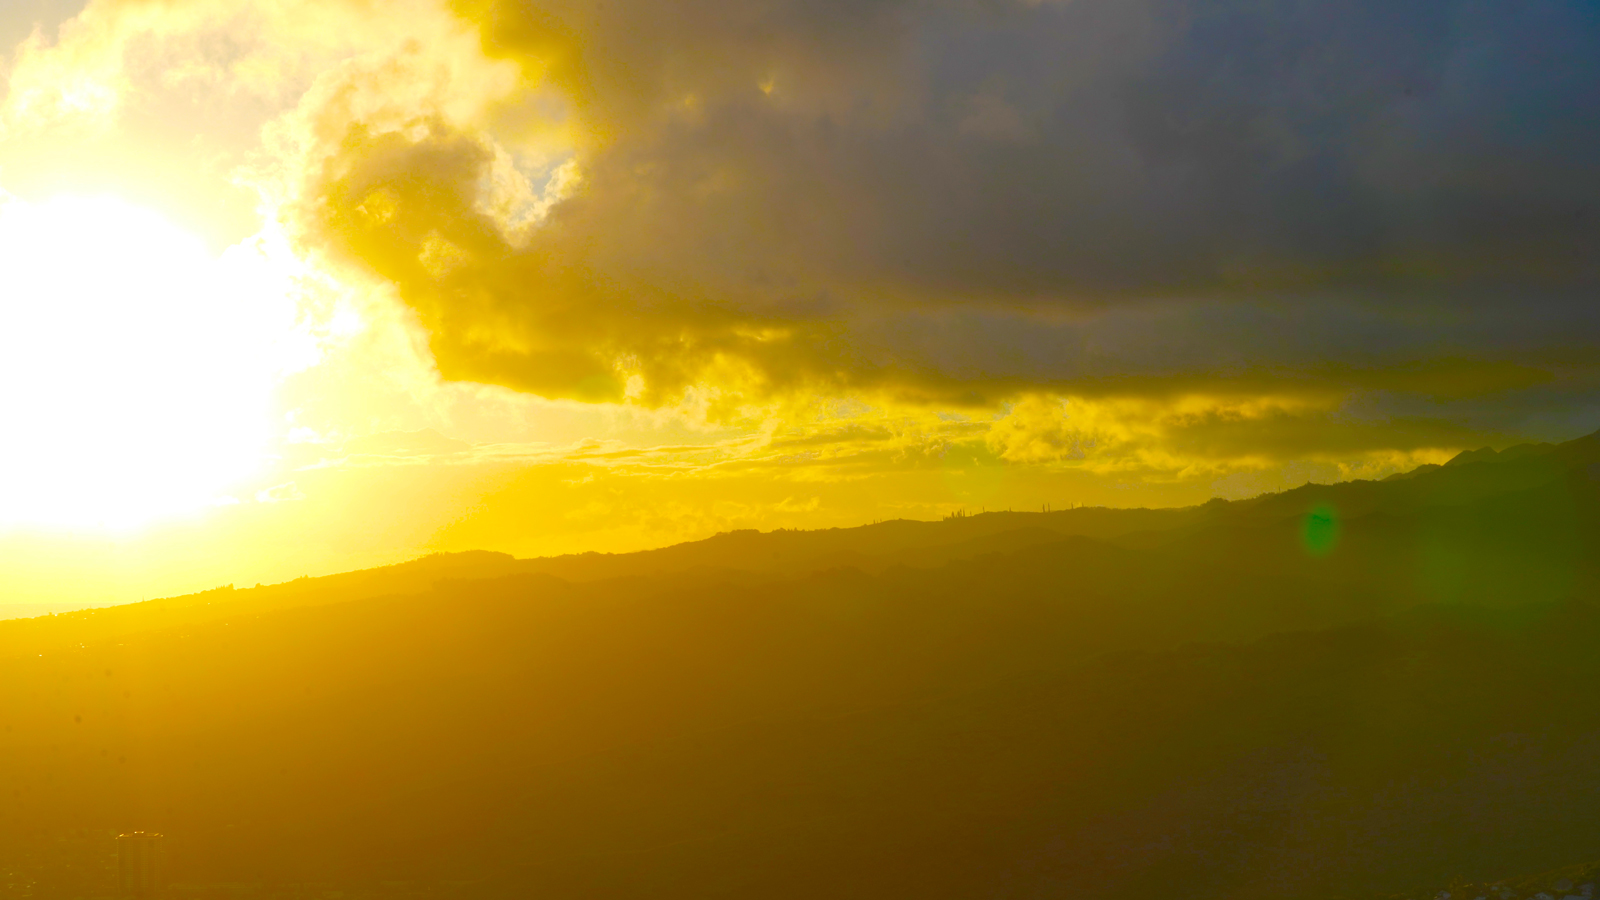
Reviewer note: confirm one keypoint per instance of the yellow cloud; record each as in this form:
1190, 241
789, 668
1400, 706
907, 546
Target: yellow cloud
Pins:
1197, 435
521, 178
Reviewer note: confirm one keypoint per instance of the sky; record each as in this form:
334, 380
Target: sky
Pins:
292, 287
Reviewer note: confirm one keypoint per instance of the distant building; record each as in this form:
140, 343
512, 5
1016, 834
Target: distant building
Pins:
140, 865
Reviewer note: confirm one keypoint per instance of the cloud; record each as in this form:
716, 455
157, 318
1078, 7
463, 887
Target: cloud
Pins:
960, 202
1221, 231
1194, 435
426, 444
283, 493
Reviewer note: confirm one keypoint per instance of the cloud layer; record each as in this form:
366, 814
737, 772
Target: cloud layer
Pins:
963, 201
1140, 236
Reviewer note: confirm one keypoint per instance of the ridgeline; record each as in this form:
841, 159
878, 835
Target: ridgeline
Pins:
1351, 690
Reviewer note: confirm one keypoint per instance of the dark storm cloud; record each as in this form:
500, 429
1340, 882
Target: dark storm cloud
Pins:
954, 201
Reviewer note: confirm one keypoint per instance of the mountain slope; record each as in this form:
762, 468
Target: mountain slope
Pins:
1201, 703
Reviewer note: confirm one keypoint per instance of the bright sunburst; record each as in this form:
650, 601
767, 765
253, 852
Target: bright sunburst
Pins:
137, 368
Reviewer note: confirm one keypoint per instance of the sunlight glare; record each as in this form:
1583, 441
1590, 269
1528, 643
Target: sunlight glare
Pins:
138, 369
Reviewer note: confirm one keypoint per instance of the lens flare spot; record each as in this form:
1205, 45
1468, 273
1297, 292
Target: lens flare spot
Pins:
1319, 530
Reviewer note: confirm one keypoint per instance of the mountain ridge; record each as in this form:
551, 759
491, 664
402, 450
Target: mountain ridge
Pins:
1539, 464
1339, 691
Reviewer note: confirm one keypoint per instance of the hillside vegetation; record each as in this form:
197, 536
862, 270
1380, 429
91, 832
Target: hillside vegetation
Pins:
1351, 690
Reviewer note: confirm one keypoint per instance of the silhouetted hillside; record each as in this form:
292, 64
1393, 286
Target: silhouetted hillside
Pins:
1577, 882
1339, 691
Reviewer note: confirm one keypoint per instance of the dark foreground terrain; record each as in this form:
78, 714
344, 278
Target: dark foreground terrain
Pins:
1358, 690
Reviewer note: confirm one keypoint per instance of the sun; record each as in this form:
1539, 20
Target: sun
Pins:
136, 368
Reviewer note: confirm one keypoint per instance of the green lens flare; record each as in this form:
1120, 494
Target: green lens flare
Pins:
1320, 530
